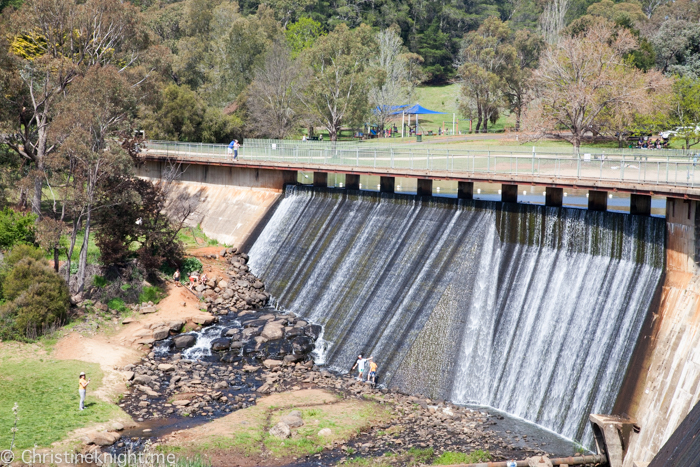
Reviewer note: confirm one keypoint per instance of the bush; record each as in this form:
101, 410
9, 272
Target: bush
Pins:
37, 298
99, 281
16, 228
151, 294
117, 304
189, 264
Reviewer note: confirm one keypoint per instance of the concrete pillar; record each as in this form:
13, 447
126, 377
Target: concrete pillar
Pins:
554, 197
352, 182
386, 184
640, 205
597, 200
509, 193
289, 177
320, 179
425, 187
465, 190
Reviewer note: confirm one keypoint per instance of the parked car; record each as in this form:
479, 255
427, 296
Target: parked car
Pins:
681, 129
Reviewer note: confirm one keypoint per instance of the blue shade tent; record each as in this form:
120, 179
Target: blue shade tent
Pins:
417, 109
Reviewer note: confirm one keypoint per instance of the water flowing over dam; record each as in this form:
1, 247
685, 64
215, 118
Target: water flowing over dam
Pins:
528, 309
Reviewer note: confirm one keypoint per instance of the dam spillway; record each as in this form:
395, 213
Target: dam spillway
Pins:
528, 309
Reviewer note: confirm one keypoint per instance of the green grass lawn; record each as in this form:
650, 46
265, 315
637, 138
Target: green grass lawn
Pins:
93, 253
46, 391
194, 237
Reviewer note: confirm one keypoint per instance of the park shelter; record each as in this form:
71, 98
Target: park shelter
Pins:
415, 110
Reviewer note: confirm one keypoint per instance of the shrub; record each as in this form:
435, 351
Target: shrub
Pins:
99, 281
117, 304
36, 296
151, 294
189, 265
16, 228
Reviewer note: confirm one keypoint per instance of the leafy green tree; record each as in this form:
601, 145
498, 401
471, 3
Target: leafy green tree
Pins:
303, 34
685, 110
517, 75
36, 296
487, 56
435, 47
48, 50
235, 55
339, 80
16, 228
584, 79
100, 108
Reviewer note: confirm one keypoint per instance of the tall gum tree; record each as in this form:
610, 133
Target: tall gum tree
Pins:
339, 80
584, 78
51, 42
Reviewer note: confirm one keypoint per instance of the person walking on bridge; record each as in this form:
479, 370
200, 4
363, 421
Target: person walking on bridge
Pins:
229, 149
236, 145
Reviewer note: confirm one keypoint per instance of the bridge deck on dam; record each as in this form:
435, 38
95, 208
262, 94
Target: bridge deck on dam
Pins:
646, 172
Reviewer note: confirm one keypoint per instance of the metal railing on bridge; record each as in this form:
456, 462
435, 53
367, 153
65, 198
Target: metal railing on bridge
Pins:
655, 167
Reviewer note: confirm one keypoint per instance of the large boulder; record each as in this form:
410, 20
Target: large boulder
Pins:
255, 323
236, 345
270, 363
281, 431
220, 344
273, 331
175, 325
161, 332
222, 284
102, 438
293, 421
302, 345
233, 332
184, 341
143, 379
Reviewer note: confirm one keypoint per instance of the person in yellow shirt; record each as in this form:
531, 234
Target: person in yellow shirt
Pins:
82, 389
372, 371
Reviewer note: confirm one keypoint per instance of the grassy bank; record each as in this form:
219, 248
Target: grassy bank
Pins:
46, 391
245, 433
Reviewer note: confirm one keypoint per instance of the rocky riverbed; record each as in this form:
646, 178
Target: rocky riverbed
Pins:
207, 367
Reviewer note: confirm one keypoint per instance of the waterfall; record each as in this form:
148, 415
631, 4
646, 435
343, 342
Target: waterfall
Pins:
528, 309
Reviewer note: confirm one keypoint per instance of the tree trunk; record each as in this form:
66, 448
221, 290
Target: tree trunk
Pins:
576, 141
333, 133
71, 248
38, 186
82, 262
39, 178
55, 259
517, 118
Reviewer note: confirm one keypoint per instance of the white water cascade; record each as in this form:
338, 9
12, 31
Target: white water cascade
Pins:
531, 310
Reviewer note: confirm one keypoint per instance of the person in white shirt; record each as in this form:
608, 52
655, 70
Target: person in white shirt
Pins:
360, 364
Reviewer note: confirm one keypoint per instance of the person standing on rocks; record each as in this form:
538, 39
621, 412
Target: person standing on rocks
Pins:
372, 378
176, 276
360, 364
82, 389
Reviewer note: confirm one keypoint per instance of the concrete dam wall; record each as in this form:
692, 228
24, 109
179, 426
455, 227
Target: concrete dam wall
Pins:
532, 310
233, 200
